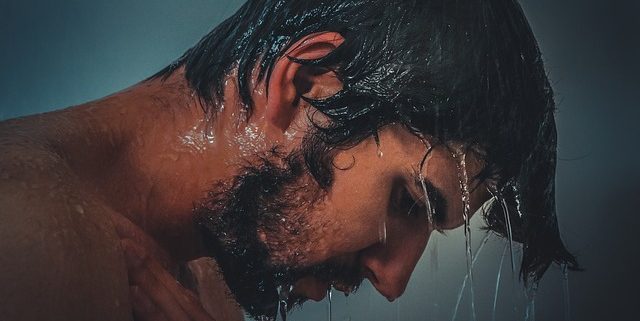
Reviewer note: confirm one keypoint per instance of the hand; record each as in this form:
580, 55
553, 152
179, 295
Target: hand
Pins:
155, 293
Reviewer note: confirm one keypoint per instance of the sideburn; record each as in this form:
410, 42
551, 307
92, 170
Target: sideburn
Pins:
268, 195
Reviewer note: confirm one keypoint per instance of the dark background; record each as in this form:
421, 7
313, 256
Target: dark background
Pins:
55, 54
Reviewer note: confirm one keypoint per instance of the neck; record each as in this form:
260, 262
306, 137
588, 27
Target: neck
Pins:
152, 154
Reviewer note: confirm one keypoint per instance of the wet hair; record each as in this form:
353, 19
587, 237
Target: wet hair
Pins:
466, 71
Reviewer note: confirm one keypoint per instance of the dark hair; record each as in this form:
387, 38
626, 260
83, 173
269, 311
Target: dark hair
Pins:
466, 71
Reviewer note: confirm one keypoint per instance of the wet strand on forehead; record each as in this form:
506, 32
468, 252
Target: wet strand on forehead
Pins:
427, 200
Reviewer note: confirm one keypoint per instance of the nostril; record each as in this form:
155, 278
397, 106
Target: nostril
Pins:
370, 275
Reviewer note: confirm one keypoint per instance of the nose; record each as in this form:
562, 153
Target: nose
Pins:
389, 265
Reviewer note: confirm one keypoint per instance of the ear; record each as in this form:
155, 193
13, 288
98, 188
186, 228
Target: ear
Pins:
290, 80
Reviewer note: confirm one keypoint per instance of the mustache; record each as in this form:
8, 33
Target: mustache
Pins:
342, 274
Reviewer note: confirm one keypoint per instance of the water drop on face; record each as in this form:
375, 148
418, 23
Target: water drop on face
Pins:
382, 232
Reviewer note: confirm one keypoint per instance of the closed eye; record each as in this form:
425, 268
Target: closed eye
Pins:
435, 198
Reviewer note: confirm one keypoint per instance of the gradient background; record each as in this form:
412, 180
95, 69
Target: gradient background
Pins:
55, 54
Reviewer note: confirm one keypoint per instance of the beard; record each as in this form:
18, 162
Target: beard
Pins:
272, 196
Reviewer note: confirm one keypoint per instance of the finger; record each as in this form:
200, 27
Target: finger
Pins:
143, 308
159, 279
146, 281
187, 299
127, 230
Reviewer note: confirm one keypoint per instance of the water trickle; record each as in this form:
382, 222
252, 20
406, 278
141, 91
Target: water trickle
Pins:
565, 286
382, 232
466, 209
330, 312
283, 297
434, 279
434, 256
495, 293
530, 293
397, 304
468, 277
505, 211
516, 192
346, 303
427, 201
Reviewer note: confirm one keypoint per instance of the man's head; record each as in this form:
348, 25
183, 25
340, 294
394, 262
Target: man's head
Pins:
274, 226
421, 80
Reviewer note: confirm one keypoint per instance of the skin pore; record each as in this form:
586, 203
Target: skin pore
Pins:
134, 166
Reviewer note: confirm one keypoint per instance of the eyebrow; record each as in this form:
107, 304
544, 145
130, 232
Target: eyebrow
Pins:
435, 195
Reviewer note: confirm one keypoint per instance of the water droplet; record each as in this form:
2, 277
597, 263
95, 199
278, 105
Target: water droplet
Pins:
382, 232
283, 297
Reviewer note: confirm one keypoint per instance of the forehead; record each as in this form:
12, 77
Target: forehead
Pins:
399, 147
399, 155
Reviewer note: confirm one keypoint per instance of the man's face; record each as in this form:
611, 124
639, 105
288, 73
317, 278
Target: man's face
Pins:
272, 228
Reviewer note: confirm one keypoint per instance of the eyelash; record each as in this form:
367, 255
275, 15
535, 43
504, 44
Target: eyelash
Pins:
409, 205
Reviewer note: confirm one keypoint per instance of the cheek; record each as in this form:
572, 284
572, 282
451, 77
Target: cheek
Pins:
356, 208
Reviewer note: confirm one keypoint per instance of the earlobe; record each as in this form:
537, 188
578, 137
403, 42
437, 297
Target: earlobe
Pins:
290, 80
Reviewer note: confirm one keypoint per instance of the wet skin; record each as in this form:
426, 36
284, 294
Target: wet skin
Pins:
97, 198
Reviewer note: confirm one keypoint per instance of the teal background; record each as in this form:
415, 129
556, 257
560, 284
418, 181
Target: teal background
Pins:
55, 54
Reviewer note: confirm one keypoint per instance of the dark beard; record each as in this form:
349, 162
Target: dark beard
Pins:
274, 199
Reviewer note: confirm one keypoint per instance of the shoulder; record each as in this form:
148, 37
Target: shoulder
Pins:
58, 250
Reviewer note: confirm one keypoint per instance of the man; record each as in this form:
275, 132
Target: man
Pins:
303, 145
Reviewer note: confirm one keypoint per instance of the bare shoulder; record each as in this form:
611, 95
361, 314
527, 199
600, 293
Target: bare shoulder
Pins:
59, 253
